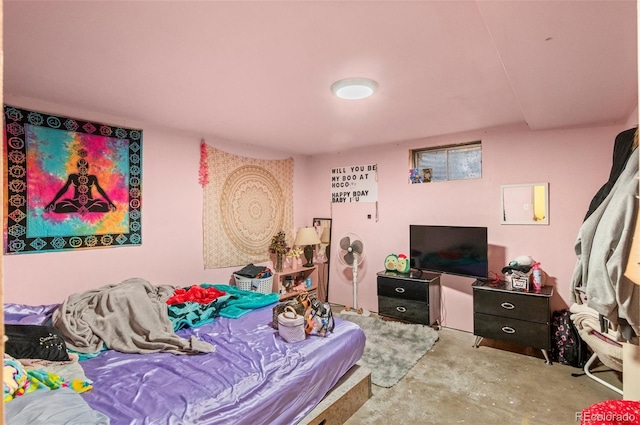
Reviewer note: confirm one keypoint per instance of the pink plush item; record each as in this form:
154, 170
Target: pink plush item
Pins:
612, 412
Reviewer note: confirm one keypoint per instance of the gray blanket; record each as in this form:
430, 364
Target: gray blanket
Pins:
130, 317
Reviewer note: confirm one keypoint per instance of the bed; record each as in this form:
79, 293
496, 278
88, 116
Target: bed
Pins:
252, 377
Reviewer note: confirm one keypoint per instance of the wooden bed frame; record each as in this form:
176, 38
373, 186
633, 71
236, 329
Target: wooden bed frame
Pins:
344, 399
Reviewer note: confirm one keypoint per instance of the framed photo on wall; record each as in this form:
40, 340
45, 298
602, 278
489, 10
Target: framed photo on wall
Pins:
69, 184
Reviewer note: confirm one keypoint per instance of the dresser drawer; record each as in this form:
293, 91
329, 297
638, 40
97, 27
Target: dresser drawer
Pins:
512, 330
407, 310
403, 289
519, 306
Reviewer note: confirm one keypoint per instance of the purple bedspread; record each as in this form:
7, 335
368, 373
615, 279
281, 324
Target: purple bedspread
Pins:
254, 376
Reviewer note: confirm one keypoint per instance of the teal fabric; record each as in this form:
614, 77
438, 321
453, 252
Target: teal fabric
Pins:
242, 302
86, 356
193, 314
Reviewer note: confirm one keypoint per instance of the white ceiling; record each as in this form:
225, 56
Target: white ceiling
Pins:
260, 72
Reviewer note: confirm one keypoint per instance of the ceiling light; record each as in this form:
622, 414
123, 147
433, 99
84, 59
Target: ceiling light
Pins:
354, 88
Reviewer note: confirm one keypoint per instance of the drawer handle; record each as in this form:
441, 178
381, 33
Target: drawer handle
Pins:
508, 330
401, 309
400, 290
507, 306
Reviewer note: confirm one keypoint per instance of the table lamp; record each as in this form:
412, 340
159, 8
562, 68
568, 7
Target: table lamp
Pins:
307, 236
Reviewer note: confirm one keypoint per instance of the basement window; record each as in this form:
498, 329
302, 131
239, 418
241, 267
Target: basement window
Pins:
452, 162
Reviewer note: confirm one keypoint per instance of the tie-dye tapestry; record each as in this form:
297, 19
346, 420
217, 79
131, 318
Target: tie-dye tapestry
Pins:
246, 202
69, 184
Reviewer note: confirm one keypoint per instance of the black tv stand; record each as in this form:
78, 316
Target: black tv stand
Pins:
411, 297
415, 274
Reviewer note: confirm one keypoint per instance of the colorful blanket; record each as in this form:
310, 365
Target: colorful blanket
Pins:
19, 381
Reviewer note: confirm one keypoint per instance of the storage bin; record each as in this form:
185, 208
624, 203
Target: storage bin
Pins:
519, 280
291, 325
264, 285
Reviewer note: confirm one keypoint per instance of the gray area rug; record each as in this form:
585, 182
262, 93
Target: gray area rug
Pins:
392, 348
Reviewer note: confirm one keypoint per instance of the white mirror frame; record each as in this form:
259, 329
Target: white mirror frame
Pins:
520, 203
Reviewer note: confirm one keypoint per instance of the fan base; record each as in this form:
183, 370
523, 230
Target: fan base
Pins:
359, 312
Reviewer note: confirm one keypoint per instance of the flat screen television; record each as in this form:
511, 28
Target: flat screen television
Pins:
456, 250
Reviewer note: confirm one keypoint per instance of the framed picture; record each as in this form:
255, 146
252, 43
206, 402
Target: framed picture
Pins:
427, 175
69, 184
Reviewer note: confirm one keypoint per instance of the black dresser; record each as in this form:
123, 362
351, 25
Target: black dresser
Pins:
412, 297
512, 315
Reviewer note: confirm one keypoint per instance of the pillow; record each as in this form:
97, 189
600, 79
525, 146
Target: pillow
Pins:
35, 342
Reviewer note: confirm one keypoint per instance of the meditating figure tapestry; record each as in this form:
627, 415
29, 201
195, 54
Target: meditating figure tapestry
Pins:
69, 184
246, 202
82, 201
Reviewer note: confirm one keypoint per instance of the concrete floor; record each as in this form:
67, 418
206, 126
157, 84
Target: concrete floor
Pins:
493, 384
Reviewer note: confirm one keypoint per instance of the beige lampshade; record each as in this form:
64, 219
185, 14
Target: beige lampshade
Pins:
324, 237
307, 236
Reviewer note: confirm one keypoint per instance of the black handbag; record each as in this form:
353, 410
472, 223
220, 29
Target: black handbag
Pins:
35, 342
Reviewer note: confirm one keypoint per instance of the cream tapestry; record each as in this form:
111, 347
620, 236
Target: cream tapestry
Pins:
246, 202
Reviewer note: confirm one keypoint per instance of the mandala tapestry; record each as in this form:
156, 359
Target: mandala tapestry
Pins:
69, 184
246, 202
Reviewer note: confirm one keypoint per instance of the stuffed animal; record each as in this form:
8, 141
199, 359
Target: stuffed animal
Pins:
523, 261
397, 263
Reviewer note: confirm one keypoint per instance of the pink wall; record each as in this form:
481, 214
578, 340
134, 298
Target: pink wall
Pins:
171, 251
574, 162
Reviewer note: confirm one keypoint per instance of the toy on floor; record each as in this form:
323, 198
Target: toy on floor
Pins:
358, 311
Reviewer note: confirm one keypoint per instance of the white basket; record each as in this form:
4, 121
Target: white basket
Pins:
264, 285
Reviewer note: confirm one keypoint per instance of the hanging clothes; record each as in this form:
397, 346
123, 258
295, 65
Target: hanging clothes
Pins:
602, 247
622, 149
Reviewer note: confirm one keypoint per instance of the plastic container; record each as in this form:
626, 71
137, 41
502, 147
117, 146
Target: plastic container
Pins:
291, 325
537, 277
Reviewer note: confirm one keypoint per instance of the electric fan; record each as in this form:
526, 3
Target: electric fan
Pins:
351, 254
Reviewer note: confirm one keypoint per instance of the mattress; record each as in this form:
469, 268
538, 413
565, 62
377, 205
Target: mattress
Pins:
253, 377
